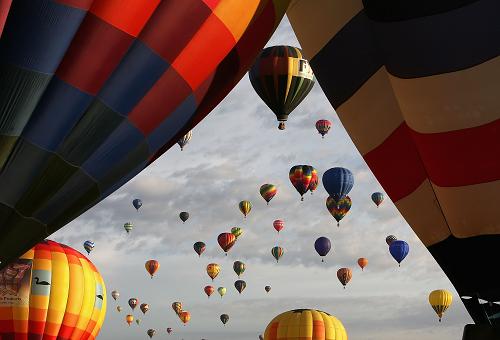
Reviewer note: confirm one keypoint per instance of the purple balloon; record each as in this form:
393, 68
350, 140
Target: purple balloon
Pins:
322, 246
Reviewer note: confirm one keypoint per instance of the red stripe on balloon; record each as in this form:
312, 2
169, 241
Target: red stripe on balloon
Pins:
453, 159
397, 164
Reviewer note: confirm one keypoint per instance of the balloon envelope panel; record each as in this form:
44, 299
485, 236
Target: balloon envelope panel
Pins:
425, 118
93, 92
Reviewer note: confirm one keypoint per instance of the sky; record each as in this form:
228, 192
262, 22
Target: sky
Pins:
235, 150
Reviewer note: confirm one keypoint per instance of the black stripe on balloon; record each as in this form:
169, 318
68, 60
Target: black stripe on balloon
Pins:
347, 61
442, 43
397, 10
470, 265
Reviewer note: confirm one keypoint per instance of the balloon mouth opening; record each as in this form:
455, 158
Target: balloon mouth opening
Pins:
281, 126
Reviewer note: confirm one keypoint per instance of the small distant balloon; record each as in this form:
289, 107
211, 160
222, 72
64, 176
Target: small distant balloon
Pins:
132, 302
221, 291
224, 318
338, 208
399, 249
213, 269
323, 126
322, 246
239, 267
377, 198
344, 275
338, 182
240, 285
236, 231
313, 185
184, 216
279, 225
137, 203
277, 252
169, 330
89, 246
118, 308
115, 294
185, 316
300, 176
128, 227
199, 247
389, 239
151, 332
267, 289
152, 267
268, 191
177, 307
185, 139
138, 321
144, 308
226, 241
440, 300
362, 262
209, 290
129, 319
245, 207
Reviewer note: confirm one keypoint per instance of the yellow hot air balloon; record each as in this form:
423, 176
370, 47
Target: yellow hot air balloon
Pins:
213, 269
245, 207
440, 300
129, 319
307, 324
52, 291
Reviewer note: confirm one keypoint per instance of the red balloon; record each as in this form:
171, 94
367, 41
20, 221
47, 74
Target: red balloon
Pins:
226, 241
209, 290
279, 225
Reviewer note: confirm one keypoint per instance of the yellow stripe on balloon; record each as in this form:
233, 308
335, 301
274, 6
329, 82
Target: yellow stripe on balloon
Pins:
87, 301
58, 292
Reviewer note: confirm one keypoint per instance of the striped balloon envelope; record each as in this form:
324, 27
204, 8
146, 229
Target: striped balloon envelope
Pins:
417, 91
92, 92
51, 292
307, 324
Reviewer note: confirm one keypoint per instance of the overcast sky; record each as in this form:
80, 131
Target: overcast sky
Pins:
233, 151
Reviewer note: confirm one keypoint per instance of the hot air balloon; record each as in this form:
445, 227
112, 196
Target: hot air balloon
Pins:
152, 267
377, 198
129, 319
414, 121
118, 308
115, 294
106, 95
238, 267
282, 78
184, 215
221, 291
185, 316
389, 239
128, 227
323, 126
151, 332
300, 176
213, 269
440, 300
268, 191
184, 140
177, 307
306, 324
199, 247
277, 253
226, 241
245, 207
132, 302
267, 289
169, 330
138, 321
43, 286
89, 246
279, 225
240, 285
137, 203
344, 275
399, 249
322, 246
224, 318
236, 231
362, 262
338, 182
209, 290
144, 308
313, 185
338, 208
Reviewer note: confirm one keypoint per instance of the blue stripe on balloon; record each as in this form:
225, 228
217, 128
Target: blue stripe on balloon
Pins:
135, 75
38, 33
60, 108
